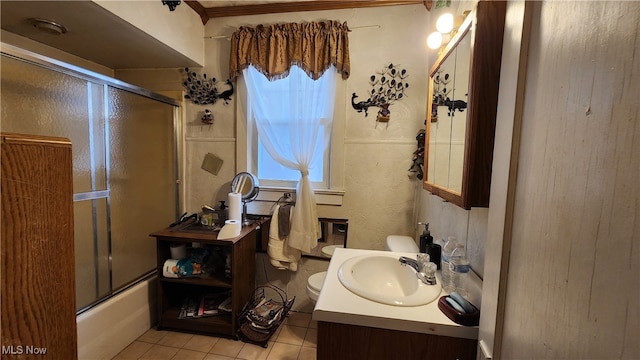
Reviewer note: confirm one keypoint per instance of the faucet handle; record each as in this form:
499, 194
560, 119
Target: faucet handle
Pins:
429, 271
423, 259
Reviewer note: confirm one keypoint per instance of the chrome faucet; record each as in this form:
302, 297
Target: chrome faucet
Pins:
419, 268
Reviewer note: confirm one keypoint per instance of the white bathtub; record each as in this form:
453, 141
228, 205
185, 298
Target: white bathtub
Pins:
108, 328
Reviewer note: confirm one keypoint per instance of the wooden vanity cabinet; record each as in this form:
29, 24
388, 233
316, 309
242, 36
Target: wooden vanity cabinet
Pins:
344, 341
171, 292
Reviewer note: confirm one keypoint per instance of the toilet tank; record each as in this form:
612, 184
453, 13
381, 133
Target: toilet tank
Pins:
401, 243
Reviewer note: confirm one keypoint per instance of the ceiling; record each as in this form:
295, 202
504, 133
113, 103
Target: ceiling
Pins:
106, 39
94, 34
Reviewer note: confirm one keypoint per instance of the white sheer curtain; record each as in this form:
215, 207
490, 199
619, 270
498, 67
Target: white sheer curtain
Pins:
291, 122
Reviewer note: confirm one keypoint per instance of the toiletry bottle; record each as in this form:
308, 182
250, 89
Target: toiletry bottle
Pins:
448, 248
424, 238
459, 267
427, 245
224, 212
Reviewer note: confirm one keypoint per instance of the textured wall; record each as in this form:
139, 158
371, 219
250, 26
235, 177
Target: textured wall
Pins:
379, 195
180, 29
572, 290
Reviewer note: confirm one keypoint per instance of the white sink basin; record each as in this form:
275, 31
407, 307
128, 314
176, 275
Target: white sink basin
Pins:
382, 278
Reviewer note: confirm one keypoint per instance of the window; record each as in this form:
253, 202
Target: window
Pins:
270, 172
280, 101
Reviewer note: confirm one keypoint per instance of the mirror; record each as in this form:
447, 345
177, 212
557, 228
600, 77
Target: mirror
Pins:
449, 116
245, 184
461, 109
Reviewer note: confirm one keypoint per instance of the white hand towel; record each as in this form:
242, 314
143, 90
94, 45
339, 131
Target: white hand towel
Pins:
281, 255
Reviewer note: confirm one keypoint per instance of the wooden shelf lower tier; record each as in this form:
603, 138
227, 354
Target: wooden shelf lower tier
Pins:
176, 290
209, 281
219, 325
232, 266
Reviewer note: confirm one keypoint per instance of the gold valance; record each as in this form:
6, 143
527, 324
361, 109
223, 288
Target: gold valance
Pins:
272, 49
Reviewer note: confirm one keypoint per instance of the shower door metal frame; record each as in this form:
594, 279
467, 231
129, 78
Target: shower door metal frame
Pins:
26, 56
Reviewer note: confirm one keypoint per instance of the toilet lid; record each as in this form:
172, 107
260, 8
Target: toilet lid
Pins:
316, 280
401, 243
328, 250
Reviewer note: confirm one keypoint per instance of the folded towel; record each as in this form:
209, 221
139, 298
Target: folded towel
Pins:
284, 215
281, 255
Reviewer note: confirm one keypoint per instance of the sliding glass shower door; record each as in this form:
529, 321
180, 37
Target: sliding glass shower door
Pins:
124, 164
142, 180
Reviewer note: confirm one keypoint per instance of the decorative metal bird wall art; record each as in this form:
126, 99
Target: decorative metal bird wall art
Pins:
454, 105
226, 95
203, 90
387, 87
441, 96
362, 105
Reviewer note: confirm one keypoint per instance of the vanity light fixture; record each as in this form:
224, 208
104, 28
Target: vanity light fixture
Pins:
434, 41
446, 26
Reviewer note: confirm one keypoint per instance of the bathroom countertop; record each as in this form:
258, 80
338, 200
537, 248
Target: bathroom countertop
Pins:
339, 305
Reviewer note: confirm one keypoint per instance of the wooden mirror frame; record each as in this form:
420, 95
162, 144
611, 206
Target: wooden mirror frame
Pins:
485, 25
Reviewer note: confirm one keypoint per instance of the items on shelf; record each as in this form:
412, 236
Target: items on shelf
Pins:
202, 262
228, 266
210, 304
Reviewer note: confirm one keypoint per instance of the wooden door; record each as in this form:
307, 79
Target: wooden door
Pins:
38, 285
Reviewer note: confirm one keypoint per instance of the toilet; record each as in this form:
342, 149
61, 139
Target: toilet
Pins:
315, 281
395, 243
314, 285
328, 250
401, 243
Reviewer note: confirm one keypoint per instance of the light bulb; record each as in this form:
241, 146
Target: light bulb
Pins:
434, 41
444, 24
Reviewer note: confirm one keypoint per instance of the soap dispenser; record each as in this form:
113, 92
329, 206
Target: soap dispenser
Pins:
427, 245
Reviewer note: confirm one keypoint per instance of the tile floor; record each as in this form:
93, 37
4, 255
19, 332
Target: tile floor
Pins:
294, 340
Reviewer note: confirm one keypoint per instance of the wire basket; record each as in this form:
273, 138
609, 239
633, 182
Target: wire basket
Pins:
262, 315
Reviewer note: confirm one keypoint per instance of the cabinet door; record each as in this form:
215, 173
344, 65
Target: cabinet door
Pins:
38, 284
462, 107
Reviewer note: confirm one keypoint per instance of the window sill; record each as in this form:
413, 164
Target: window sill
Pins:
323, 197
